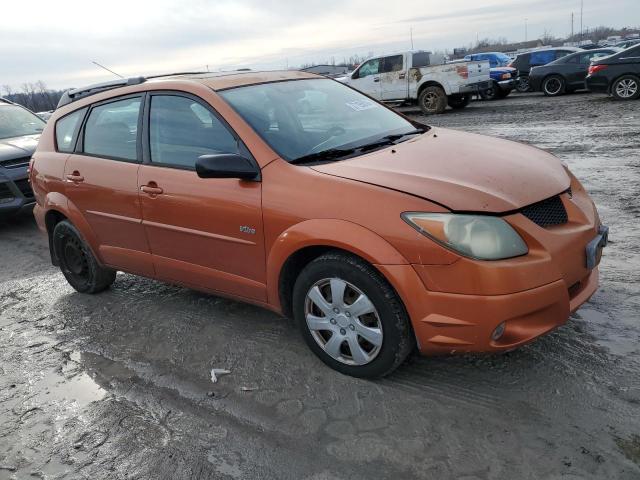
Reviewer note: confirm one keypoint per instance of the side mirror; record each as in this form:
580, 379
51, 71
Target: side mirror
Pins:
226, 165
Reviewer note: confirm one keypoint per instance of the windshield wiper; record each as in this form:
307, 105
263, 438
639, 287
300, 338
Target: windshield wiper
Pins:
331, 153
388, 140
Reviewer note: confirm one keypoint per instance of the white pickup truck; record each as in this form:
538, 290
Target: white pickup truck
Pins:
420, 77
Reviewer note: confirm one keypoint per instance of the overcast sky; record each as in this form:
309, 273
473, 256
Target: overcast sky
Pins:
56, 40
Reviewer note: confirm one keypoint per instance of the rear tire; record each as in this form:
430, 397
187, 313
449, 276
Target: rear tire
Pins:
432, 100
78, 265
458, 102
553, 86
329, 297
626, 87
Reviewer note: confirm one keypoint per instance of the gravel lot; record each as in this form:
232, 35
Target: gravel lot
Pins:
117, 385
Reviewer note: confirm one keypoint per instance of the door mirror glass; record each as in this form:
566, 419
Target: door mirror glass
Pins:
226, 165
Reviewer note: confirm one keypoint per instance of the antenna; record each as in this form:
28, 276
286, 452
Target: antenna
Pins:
411, 36
110, 71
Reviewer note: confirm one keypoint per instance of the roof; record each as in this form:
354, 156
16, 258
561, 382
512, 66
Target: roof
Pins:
214, 80
224, 80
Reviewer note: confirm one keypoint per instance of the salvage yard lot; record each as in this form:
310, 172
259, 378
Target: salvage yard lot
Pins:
117, 385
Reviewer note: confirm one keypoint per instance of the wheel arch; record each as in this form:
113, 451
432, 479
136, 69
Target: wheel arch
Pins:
430, 83
303, 242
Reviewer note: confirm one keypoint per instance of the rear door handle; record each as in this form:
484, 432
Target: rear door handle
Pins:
376, 79
151, 189
75, 177
401, 76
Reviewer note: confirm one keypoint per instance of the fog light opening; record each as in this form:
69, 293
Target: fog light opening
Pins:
498, 332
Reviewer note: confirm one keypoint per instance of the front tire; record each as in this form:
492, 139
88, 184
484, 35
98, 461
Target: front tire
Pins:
458, 102
491, 93
350, 316
522, 84
626, 87
432, 100
553, 86
77, 262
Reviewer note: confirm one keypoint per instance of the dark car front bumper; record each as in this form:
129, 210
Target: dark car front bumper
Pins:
15, 191
535, 82
507, 85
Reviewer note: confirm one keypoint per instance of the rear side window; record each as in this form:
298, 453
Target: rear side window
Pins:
392, 64
67, 130
111, 130
562, 53
182, 129
543, 57
421, 59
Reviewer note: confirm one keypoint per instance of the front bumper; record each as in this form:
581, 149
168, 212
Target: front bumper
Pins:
598, 84
16, 195
507, 84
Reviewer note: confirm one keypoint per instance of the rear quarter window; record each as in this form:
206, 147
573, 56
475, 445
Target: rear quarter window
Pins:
542, 57
67, 130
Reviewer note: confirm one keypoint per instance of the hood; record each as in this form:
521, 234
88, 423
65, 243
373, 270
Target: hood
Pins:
17, 147
461, 171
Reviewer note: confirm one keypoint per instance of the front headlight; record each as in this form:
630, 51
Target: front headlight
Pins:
476, 236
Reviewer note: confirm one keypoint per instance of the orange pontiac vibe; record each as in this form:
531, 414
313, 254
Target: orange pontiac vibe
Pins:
378, 234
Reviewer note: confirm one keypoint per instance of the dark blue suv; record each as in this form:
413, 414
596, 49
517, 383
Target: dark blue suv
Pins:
19, 133
502, 76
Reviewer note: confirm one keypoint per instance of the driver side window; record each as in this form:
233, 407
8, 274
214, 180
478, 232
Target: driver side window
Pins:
372, 67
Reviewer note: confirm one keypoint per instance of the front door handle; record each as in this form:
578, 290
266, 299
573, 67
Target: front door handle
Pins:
376, 79
402, 76
151, 189
75, 177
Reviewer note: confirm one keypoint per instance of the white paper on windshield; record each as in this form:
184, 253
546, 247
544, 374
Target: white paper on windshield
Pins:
359, 105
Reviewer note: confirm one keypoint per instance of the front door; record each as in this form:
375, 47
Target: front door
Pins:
203, 232
367, 78
101, 182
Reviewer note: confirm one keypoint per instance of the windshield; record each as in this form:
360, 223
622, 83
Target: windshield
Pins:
299, 118
16, 121
502, 60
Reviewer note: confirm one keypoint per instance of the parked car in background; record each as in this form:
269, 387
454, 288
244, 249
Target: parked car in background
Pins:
567, 74
524, 62
420, 77
377, 234
19, 133
628, 43
618, 75
502, 80
45, 115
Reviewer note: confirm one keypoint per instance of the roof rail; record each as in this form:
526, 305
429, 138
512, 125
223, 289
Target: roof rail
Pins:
77, 93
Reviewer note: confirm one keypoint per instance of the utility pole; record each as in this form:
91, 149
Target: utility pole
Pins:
581, 10
572, 26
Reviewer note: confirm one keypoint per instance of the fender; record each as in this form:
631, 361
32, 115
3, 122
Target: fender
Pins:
326, 232
59, 202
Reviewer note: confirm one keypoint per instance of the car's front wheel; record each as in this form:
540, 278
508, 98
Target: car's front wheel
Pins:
626, 87
350, 317
77, 262
522, 84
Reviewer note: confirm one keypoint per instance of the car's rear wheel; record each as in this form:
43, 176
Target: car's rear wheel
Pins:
459, 101
522, 84
77, 262
553, 85
432, 100
350, 317
626, 87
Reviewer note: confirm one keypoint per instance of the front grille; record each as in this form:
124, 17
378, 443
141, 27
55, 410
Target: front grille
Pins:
547, 212
16, 162
24, 187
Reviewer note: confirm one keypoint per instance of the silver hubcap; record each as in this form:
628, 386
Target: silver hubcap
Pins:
343, 321
552, 86
626, 88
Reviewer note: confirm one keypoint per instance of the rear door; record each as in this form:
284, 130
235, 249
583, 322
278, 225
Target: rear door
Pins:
203, 232
393, 78
367, 78
101, 182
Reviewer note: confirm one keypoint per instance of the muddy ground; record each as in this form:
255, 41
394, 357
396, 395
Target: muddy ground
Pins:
116, 386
